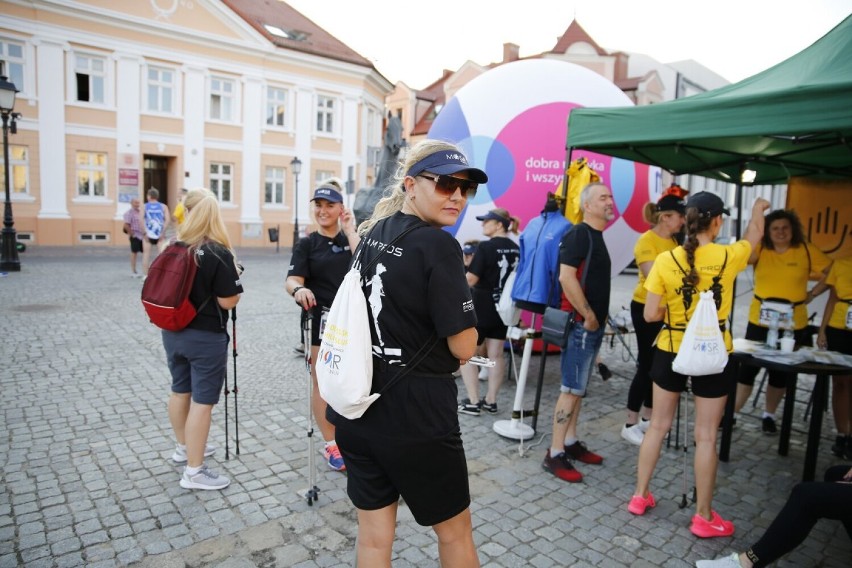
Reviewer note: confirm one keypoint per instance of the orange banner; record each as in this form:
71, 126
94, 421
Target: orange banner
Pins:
825, 208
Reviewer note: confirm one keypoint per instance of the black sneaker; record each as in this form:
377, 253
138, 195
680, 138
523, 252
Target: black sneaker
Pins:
840, 447
769, 425
491, 408
604, 371
467, 407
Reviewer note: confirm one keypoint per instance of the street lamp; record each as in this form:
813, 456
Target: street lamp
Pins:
9, 252
296, 166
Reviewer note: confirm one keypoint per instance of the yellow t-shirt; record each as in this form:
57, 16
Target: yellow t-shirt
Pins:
785, 275
649, 245
180, 212
840, 277
666, 280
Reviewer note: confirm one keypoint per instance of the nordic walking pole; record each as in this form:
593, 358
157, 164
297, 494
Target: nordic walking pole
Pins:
236, 391
227, 453
313, 491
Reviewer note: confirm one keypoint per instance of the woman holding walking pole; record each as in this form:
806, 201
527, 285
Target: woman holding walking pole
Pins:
317, 267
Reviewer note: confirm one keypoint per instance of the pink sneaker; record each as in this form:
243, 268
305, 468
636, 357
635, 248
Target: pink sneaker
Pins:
638, 504
716, 526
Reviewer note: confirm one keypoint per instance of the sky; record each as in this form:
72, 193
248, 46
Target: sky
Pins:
413, 41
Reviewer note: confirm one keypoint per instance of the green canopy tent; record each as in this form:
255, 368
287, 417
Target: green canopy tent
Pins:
794, 119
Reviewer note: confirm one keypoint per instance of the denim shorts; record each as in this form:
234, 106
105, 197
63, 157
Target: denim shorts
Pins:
198, 361
578, 359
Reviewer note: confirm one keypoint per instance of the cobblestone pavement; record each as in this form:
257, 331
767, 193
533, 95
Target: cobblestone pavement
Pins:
85, 445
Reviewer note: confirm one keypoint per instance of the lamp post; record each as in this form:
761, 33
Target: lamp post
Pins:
296, 166
9, 252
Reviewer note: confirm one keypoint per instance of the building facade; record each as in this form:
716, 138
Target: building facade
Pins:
118, 97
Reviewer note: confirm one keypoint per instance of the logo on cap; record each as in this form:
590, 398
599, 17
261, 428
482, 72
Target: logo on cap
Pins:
456, 157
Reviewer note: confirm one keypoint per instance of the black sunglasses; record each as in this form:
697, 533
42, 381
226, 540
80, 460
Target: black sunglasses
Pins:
448, 185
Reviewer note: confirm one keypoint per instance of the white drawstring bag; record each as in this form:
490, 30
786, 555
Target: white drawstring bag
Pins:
345, 359
506, 308
702, 350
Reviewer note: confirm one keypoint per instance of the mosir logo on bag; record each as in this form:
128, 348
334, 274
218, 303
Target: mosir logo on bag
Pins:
330, 360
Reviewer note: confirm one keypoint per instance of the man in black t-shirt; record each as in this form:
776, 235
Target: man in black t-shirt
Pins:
590, 303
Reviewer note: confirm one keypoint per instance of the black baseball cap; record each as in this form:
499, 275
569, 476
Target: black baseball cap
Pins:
671, 203
708, 204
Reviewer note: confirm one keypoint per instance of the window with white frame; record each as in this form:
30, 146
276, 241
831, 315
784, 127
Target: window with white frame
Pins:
276, 107
222, 99
90, 73
322, 175
274, 185
13, 54
91, 174
161, 90
18, 171
221, 180
325, 114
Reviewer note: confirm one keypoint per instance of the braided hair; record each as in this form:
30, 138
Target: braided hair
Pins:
695, 224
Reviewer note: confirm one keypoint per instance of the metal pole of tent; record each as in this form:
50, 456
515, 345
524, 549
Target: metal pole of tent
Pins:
728, 418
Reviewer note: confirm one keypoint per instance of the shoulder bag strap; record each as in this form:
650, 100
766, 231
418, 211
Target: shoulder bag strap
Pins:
586, 263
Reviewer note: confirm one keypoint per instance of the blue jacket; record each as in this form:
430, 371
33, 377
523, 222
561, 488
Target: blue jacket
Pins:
537, 279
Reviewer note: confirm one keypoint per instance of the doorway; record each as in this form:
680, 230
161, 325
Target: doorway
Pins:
156, 174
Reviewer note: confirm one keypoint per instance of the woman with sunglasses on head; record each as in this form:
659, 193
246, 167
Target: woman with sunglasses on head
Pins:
666, 220
492, 263
408, 443
673, 286
317, 267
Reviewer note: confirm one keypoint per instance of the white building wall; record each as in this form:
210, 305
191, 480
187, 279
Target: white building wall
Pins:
251, 180
193, 125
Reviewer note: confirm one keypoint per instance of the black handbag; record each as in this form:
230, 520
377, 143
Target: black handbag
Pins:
557, 324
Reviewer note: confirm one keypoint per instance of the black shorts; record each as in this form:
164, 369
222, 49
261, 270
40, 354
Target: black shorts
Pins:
135, 244
708, 386
488, 322
153, 241
431, 475
839, 340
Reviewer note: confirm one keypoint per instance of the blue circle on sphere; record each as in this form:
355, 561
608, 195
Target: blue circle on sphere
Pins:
622, 177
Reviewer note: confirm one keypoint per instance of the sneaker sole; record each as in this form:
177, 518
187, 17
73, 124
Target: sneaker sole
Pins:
469, 412
191, 485
550, 471
631, 440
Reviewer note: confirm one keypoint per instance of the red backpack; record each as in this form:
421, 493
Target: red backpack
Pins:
165, 293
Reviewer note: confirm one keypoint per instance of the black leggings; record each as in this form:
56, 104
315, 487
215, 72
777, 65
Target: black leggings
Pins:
808, 503
641, 386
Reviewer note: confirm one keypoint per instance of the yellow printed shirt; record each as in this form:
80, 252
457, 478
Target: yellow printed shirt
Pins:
666, 280
840, 277
785, 275
647, 248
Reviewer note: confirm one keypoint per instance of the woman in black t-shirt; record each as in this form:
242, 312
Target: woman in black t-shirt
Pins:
408, 443
317, 268
198, 354
492, 263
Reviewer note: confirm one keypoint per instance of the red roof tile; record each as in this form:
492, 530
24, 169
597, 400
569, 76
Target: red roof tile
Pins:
316, 40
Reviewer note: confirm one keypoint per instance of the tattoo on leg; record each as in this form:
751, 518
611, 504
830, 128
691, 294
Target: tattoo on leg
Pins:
562, 416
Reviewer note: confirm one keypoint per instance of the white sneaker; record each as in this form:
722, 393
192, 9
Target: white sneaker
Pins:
633, 434
179, 457
732, 561
483, 374
206, 478
644, 425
